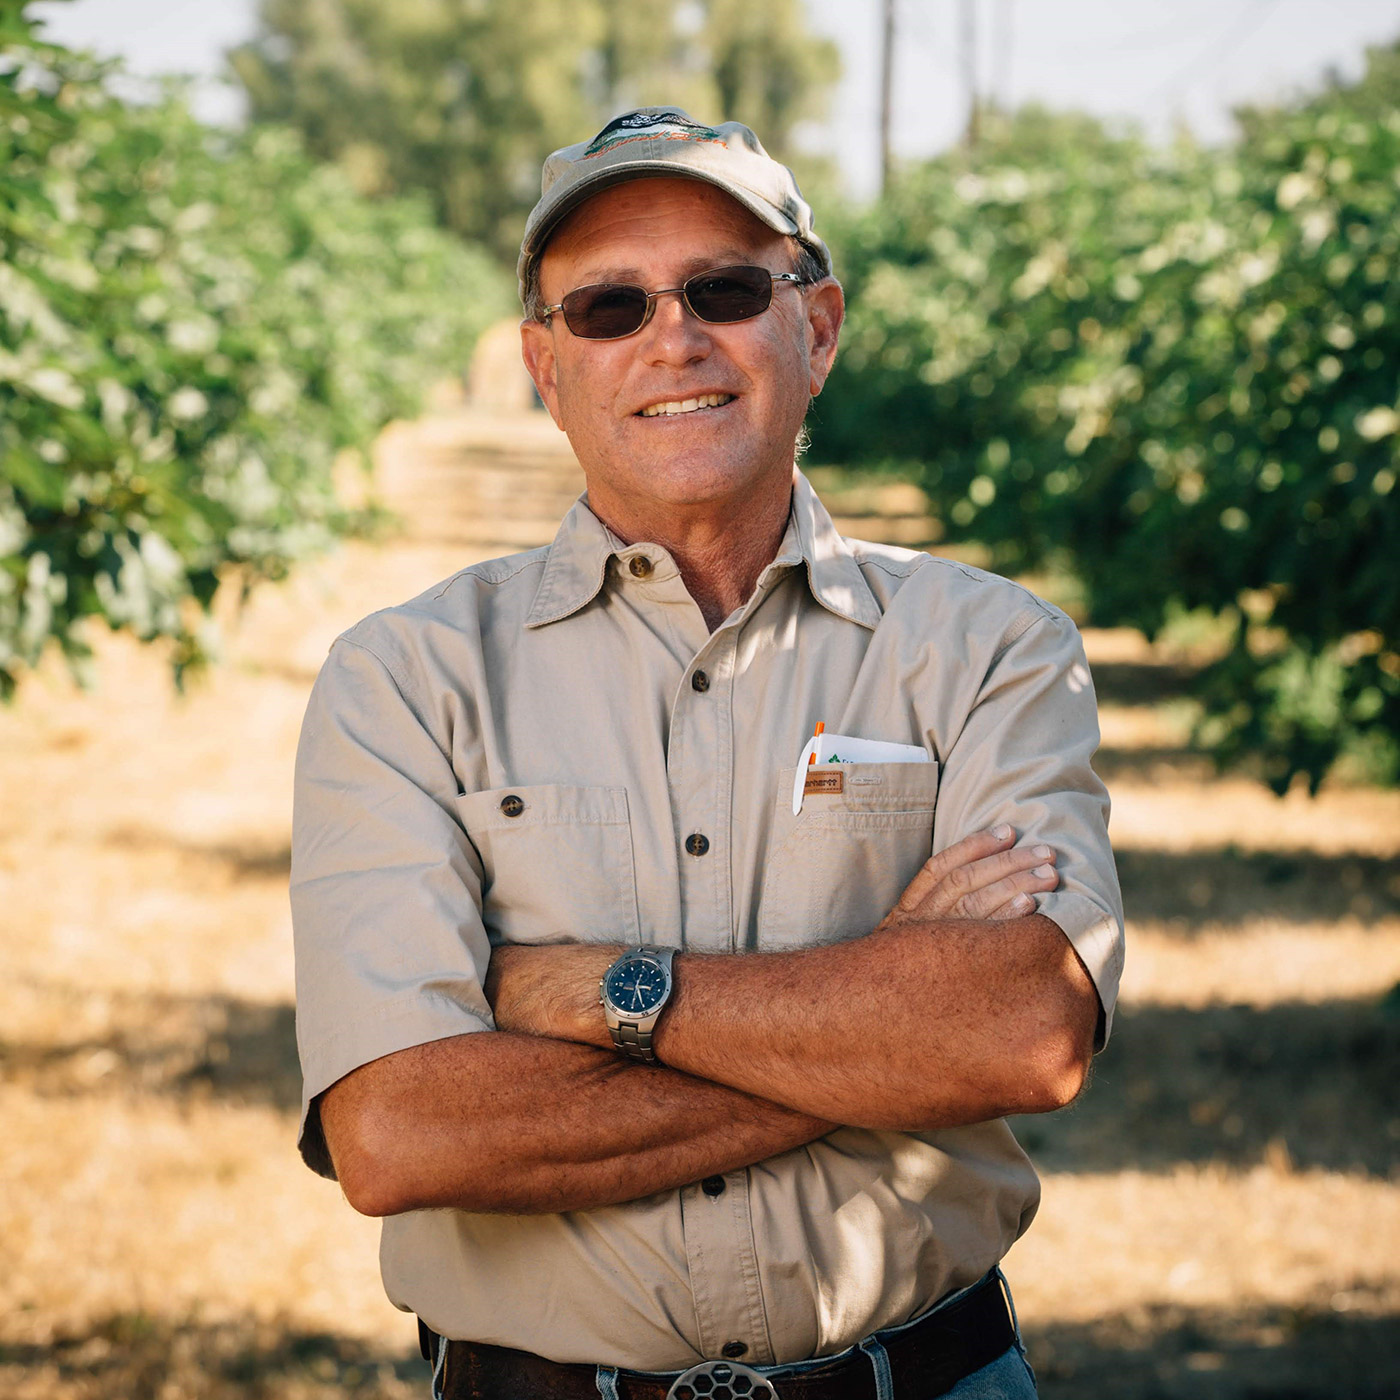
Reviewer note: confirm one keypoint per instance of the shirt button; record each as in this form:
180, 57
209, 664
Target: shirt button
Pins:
640, 566
734, 1349
696, 844
700, 681
713, 1186
512, 806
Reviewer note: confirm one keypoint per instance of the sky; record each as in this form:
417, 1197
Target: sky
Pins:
1155, 62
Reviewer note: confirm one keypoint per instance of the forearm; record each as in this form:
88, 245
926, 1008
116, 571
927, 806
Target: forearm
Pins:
520, 1124
921, 1024
916, 1026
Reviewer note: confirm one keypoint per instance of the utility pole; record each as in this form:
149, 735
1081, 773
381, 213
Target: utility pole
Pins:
1001, 55
967, 27
886, 92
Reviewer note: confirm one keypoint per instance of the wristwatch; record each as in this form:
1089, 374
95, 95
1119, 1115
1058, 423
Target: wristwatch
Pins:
633, 992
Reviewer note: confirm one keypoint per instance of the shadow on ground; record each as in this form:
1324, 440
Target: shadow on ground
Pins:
187, 1047
1192, 889
1340, 1347
1159, 763
1315, 1353
131, 1356
244, 862
1142, 682
1309, 1085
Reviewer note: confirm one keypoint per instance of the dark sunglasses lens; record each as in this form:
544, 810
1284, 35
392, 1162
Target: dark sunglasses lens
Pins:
605, 311
730, 293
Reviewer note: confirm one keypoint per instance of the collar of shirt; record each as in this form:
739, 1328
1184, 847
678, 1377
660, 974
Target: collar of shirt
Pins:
578, 562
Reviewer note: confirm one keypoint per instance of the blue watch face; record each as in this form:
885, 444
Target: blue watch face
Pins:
636, 986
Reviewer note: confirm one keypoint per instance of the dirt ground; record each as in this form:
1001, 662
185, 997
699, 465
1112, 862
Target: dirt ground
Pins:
1221, 1214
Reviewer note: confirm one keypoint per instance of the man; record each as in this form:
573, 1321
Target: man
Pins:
776, 1155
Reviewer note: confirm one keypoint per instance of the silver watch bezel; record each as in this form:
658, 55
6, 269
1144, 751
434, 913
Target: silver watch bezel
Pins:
632, 1033
658, 957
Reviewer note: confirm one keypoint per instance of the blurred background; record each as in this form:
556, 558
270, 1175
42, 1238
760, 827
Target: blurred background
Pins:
1125, 323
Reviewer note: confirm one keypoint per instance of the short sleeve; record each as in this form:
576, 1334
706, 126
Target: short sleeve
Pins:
385, 886
1023, 757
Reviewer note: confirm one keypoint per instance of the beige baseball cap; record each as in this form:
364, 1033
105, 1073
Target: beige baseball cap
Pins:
667, 141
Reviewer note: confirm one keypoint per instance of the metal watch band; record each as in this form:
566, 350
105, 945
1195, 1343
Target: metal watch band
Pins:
634, 1043
630, 1038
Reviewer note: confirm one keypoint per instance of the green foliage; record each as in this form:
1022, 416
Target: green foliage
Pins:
192, 326
767, 71
1173, 373
463, 99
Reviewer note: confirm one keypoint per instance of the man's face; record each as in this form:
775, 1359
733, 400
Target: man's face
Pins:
657, 232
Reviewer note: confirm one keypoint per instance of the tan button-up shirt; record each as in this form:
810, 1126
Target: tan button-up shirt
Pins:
585, 686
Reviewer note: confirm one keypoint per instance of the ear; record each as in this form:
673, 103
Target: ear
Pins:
537, 350
826, 309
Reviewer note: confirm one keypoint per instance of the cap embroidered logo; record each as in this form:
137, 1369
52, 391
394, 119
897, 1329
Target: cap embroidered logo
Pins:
638, 126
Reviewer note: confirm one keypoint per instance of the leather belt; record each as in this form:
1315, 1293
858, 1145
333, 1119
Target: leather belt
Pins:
926, 1360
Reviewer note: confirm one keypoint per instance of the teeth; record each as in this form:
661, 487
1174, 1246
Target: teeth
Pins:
686, 405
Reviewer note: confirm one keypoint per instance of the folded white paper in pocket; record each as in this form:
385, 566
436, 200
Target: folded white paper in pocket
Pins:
843, 748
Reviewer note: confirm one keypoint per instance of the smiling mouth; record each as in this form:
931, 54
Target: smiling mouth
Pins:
674, 406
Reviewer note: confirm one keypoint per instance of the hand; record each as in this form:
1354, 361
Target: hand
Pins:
983, 876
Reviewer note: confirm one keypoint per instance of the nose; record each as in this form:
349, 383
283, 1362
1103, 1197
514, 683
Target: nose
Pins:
675, 335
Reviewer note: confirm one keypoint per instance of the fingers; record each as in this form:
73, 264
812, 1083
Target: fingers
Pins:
943, 864
1012, 898
982, 876
1002, 878
973, 890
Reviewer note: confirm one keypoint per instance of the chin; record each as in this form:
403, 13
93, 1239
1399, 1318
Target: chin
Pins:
685, 476
703, 485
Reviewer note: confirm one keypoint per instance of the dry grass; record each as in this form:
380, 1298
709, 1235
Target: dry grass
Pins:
1222, 1208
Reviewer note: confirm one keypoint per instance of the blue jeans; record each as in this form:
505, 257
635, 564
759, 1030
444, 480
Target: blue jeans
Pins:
1009, 1377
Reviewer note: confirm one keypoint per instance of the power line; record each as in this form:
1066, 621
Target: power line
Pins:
1148, 36
886, 91
1001, 54
1246, 22
967, 48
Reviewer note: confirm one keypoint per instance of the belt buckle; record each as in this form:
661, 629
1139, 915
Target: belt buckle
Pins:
722, 1380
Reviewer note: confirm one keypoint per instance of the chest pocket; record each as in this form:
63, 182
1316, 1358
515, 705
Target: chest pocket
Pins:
835, 870
557, 863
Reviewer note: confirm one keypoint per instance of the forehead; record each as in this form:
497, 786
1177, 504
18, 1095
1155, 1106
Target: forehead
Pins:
632, 231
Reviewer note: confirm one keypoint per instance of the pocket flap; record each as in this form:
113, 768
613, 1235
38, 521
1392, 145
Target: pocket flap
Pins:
542, 804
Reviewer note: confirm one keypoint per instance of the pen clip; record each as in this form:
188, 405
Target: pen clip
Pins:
810, 754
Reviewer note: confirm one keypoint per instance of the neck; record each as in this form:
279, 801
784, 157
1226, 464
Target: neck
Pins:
720, 551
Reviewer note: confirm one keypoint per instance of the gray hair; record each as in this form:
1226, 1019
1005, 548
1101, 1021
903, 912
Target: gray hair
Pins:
806, 264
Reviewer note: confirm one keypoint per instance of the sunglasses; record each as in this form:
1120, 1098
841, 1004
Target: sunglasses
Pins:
611, 310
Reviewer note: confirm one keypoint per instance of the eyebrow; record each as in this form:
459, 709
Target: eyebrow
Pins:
726, 258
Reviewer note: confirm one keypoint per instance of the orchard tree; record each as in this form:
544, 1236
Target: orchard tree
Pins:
463, 99
1174, 373
193, 324
766, 70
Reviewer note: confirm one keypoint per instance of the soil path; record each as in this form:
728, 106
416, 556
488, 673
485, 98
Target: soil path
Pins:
1222, 1208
